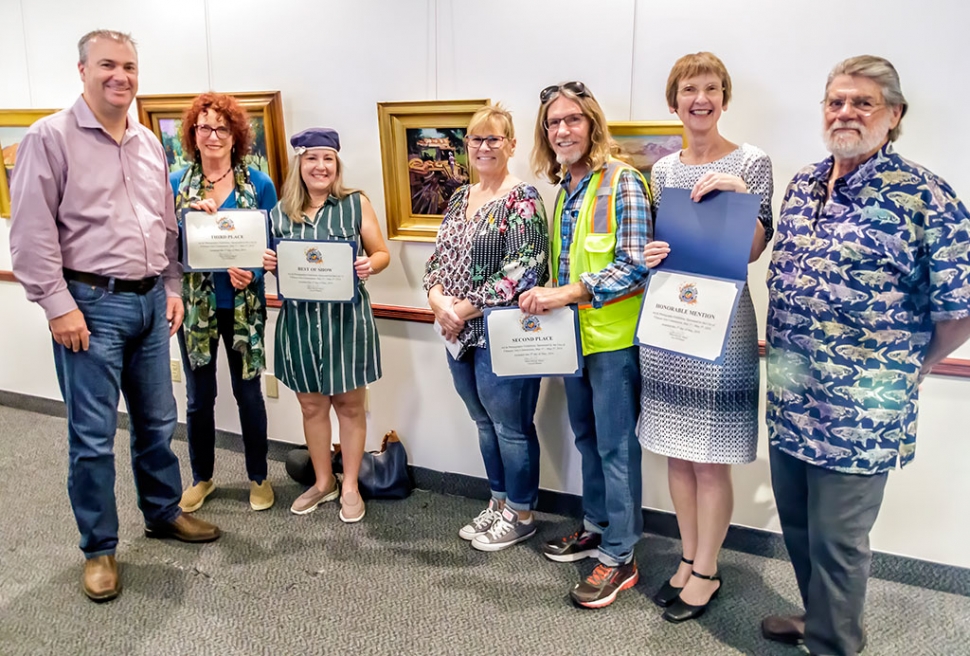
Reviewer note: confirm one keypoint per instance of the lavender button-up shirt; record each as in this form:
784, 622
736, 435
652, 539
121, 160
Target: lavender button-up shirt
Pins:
83, 201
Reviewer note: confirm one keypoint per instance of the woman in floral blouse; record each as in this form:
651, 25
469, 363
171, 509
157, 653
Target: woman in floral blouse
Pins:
492, 245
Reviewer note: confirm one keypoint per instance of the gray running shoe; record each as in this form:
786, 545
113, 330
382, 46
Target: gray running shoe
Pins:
480, 524
504, 532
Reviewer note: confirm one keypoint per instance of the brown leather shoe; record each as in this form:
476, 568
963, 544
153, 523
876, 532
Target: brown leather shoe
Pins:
786, 629
185, 528
100, 580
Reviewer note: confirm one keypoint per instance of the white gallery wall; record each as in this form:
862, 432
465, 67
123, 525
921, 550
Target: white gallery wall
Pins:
334, 60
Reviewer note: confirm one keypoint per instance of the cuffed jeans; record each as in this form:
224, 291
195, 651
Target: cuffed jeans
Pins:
826, 517
200, 417
603, 406
129, 354
503, 409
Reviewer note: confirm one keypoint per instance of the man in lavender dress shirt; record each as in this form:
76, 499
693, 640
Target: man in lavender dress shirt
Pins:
94, 242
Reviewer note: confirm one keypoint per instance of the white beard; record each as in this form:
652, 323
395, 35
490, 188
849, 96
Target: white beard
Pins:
567, 161
849, 147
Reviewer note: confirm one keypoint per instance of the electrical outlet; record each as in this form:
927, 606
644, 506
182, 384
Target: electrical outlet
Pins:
272, 386
176, 371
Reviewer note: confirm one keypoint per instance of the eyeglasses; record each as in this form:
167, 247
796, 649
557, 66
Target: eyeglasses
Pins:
571, 121
493, 141
577, 88
203, 131
690, 91
862, 104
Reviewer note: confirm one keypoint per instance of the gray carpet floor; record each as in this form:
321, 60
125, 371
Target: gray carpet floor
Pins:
401, 582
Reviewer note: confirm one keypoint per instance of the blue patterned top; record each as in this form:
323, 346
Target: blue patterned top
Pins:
855, 285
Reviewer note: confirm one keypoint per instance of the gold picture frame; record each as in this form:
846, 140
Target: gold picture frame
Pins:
162, 114
13, 125
424, 160
642, 143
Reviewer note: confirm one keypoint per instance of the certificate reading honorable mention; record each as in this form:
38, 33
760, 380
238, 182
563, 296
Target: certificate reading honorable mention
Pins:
687, 313
522, 344
321, 271
690, 299
229, 238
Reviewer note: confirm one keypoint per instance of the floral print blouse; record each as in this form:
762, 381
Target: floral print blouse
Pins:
492, 257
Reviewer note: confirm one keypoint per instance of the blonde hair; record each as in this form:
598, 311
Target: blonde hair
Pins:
497, 113
700, 63
294, 196
601, 146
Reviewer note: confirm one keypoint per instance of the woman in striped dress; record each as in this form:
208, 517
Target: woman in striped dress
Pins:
328, 352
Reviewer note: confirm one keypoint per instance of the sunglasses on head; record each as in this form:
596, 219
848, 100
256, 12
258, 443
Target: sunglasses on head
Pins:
577, 88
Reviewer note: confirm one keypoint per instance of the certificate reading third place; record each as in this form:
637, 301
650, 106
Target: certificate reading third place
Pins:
229, 238
523, 344
687, 314
321, 271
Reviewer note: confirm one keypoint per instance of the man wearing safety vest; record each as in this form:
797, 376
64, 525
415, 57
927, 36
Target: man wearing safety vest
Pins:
601, 224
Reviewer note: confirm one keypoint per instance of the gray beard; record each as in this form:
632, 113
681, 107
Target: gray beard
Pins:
567, 161
869, 140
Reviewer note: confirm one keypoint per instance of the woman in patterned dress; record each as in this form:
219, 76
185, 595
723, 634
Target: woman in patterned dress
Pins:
492, 245
328, 352
704, 416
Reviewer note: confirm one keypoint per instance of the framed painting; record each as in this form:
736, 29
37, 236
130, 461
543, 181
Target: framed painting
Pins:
642, 143
13, 127
163, 116
425, 160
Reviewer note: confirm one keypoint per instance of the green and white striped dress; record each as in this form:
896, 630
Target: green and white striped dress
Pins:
326, 348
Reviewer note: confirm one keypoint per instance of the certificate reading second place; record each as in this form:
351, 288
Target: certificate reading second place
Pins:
321, 271
523, 344
687, 314
216, 242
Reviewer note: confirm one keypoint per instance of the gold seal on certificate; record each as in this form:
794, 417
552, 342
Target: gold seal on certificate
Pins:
228, 238
531, 345
687, 314
320, 271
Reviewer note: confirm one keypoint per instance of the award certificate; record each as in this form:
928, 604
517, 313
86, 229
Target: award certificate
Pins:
530, 345
687, 314
320, 271
228, 238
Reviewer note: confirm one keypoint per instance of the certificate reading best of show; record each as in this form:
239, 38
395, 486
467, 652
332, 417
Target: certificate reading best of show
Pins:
321, 271
229, 238
523, 344
687, 314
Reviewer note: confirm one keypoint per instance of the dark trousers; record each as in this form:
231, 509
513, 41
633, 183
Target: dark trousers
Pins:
826, 517
201, 389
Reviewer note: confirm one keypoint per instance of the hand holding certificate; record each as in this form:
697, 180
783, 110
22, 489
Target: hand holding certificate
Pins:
228, 238
321, 271
689, 304
528, 345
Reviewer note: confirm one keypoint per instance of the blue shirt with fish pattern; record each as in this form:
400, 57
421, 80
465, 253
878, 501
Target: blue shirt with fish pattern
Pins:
855, 285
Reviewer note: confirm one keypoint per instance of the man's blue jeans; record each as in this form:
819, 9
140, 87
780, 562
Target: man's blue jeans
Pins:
503, 409
128, 354
603, 406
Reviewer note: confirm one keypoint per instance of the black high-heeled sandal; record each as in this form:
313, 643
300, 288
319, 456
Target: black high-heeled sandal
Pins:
680, 611
668, 594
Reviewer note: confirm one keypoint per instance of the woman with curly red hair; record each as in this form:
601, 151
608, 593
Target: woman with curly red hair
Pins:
231, 306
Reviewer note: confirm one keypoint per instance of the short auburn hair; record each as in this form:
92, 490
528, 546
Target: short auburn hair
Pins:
236, 118
699, 63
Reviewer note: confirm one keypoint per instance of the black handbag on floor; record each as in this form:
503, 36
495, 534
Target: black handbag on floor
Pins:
384, 474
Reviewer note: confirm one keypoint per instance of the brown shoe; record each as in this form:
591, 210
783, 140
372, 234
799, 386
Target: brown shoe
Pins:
308, 501
185, 528
100, 580
351, 508
786, 629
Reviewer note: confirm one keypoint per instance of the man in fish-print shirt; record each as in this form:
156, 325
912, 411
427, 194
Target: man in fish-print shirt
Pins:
869, 287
